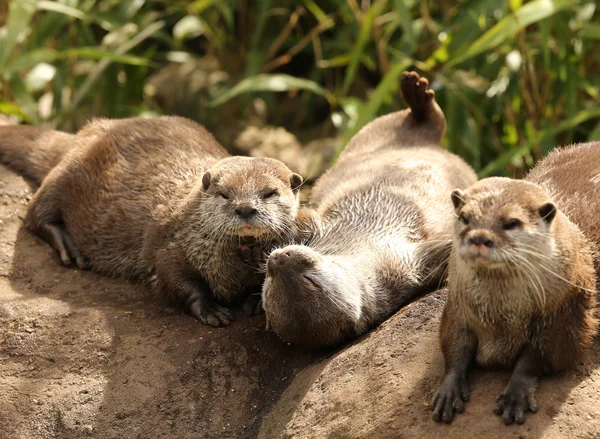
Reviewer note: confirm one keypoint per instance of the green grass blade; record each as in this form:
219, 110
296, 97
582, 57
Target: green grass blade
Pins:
502, 162
406, 21
361, 42
62, 8
506, 28
19, 16
273, 83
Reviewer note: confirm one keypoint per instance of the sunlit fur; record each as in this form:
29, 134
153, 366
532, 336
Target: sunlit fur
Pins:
131, 195
386, 227
530, 272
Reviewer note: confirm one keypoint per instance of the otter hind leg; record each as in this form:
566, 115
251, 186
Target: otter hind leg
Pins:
423, 107
57, 236
417, 95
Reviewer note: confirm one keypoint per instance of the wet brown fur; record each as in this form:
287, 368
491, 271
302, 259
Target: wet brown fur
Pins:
540, 315
134, 196
386, 233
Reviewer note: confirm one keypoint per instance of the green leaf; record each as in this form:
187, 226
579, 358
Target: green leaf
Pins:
11, 109
19, 15
272, 83
316, 11
35, 57
406, 20
501, 162
507, 27
61, 8
26, 102
361, 42
595, 134
189, 26
591, 31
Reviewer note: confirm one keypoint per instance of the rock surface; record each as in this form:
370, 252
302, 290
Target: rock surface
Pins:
86, 356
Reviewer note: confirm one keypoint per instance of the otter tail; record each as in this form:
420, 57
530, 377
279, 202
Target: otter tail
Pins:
32, 151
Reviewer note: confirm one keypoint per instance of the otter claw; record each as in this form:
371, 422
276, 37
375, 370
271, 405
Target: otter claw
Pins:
212, 315
450, 399
513, 402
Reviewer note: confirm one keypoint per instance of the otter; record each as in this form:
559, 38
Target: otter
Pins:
385, 232
522, 279
157, 200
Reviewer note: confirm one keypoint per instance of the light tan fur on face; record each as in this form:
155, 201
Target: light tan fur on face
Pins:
530, 270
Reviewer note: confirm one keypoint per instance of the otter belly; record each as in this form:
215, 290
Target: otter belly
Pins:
499, 346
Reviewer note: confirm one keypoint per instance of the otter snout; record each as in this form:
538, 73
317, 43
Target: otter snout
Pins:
479, 243
290, 260
245, 212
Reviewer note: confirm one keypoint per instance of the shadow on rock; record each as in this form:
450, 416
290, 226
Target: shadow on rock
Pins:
381, 387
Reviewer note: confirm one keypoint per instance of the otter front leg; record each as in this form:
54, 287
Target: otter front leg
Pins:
518, 396
177, 279
459, 346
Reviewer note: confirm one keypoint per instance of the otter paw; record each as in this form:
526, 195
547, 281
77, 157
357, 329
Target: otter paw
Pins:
251, 254
212, 315
450, 398
417, 95
514, 401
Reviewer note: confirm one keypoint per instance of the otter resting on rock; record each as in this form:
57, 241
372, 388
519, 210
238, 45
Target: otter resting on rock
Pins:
521, 279
158, 200
385, 231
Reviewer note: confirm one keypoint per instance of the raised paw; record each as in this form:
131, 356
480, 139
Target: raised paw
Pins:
251, 254
210, 314
450, 398
514, 401
417, 95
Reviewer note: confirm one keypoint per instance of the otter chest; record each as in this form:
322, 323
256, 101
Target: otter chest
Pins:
501, 320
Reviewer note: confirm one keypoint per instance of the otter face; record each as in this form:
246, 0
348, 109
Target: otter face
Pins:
252, 197
309, 299
502, 222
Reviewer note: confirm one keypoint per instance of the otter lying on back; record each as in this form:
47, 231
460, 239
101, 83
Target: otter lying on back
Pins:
158, 200
521, 279
386, 225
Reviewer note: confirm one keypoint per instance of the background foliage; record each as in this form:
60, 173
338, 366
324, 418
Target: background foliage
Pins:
514, 78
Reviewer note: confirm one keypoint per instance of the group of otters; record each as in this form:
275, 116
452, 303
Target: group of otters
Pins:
161, 201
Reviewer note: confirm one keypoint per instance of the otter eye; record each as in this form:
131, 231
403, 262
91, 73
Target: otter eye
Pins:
222, 195
270, 194
463, 219
512, 224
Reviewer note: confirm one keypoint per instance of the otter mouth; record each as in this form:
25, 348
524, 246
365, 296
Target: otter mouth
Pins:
251, 230
289, 263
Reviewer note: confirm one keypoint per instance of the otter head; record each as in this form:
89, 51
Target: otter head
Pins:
503, 223
310, 300
251, 197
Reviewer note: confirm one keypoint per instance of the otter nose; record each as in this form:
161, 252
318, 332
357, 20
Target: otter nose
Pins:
245, 212
281, 253
480, 241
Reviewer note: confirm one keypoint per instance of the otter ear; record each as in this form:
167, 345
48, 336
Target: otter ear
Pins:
458, 198
547, 211
206, 180
295, 182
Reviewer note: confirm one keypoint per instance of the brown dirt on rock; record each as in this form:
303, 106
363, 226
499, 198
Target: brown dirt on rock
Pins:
82, 355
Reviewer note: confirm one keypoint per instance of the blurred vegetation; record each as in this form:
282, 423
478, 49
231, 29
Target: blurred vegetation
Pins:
514, 78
